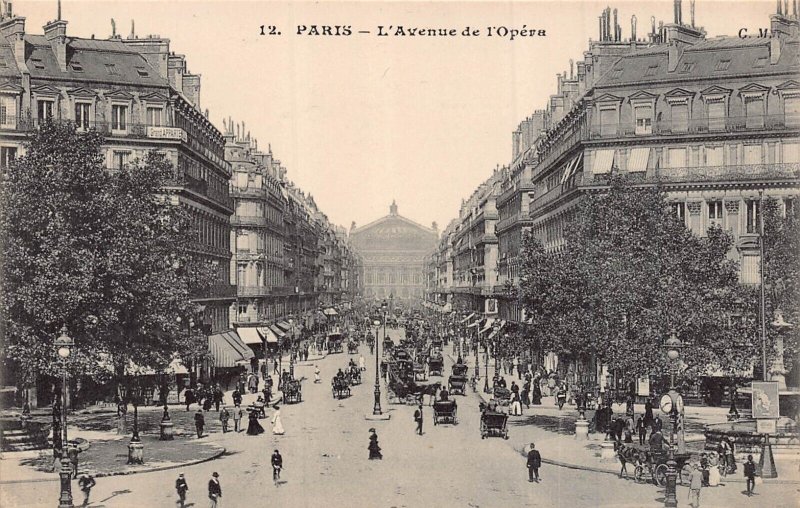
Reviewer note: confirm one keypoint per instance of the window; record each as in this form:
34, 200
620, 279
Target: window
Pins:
791, 111
242, 308
753, 216
76, 66
750, 269
715, 213
7, 155
154, 116
45, 110
754, 110
120, 158
716, 115
680, 117
714, 156
676, 158
679, 210
722, 65
8, 111
608, 122
143, 73
687, 67
644, 119
651, 70
119, 117
82, 115
788, 207
37, 63
791, 152
752, 154
112, 69
760, 61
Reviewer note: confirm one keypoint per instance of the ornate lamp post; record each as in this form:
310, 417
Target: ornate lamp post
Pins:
291, 353
486, 388
135, 447
672, 347
377, 413
63, 345
166, 423
778, 370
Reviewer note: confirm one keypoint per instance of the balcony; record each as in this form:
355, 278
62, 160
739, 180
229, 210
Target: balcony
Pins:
219, 291
202, 188
541, 200
253, 291
739, 173
730, 124
248, 192
249, 220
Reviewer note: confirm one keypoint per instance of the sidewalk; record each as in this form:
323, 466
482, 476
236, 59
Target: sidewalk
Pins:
553, 431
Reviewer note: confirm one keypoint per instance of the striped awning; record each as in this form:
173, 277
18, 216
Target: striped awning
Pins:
283, 325
572, 167
249, 335
638, 159
468, 318
603, 160
489, 323
228, 349
495, 332
268, 335
330, 311
277, 331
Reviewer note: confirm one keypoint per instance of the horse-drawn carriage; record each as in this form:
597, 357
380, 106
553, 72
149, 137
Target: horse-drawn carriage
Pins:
420, 372
435, 365
493, 423
437, 344
352, 347
340, 388
355, 375
444, 411
502, 398
292, 391
388, 346
457, 382
652, 467
334, 343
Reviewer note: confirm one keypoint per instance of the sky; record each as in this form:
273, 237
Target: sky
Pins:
362, 120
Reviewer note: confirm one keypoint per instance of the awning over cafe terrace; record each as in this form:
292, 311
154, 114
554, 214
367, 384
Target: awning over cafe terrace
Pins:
268, 335
249, 335
467, 318
228, 350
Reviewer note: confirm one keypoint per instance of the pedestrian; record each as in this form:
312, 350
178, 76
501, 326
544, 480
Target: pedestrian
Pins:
537, 393
224, 416
277, 465
189, 397
641, 429
534, 463
695, 484
218, 395
72, 453
750, 474
516, 407
316, 374
214, 490
208, 399
277, 424
418, 416
181, 487
361, 365
524, 397
237, 397
237, 418
85, 484
659, 424
254, 428
275, 367
374, 449
648, 413
199, 422
252, 383
515, 367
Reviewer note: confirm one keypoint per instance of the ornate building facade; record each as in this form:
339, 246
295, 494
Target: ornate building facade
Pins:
392, 251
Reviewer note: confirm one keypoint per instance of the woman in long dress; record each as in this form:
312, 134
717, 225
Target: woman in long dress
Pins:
277, 425
253, 427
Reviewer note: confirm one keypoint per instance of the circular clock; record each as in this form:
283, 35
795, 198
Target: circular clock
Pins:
666, 403
679, 403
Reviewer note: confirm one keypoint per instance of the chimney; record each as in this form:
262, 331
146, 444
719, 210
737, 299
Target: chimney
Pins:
191, 89
434, 226
616, 27
774, 50
608, 23
633, 28
600, 22
176, 68
56, 34
691, 10
675, 51
155, 50
571, 69
677, 11
14, 31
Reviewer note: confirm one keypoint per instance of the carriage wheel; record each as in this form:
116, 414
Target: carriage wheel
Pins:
660, 476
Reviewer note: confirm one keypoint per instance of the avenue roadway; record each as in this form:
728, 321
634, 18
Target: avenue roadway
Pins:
325, 457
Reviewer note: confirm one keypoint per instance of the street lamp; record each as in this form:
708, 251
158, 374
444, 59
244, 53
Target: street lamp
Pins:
376, 409
63, 345
291, 353
486, 388
135, 447
672, 347
166, 423
778, 370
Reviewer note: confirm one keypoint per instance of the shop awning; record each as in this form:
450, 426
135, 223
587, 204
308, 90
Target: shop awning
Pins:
489, 323
473, 325
283, 325
467, 318
249, 335
228, 349
638, 159
571, 167
268, 335
277, 331
603, 160
330, 311
495, 332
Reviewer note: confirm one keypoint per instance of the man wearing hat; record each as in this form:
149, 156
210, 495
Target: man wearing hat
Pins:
418, 418
374, 449
181, 487
214, 490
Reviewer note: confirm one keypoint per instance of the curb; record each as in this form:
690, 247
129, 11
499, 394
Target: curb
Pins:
215, 456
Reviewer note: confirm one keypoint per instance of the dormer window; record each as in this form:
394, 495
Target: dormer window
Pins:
761, 61
651, 70
687, 67
76, 66
37, 63
112, 69
754, 110
722, 65
143, 73
119, 118
643, 113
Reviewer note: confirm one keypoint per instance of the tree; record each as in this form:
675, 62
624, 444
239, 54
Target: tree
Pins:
103, 252
628, 274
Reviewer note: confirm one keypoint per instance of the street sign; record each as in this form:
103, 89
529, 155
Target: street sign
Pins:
767, 426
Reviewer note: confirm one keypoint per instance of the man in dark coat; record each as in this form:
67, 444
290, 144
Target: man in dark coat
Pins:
418, 418
237, 397
214, 489
534, 463
277, 465
181, 487
641, 429
648, 413
199, 422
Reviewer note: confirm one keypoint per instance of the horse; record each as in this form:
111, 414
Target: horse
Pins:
432, 389
626, 454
